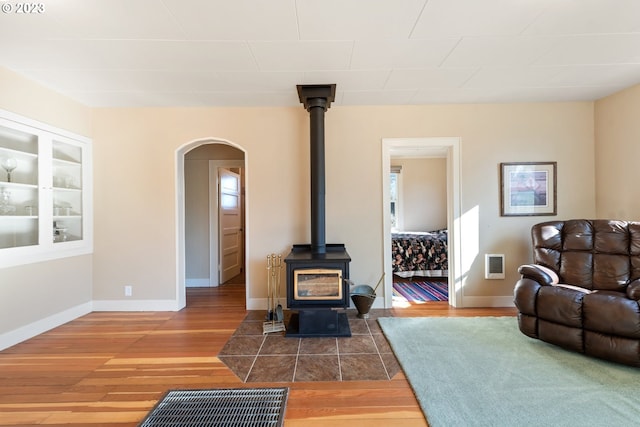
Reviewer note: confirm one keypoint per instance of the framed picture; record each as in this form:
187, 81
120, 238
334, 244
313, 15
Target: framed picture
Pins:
528, 189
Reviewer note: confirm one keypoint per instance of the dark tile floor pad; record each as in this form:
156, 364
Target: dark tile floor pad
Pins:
257, 357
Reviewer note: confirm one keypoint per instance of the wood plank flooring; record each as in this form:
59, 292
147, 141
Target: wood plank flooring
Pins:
109, 369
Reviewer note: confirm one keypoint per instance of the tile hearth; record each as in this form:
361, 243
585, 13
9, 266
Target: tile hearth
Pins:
257, 357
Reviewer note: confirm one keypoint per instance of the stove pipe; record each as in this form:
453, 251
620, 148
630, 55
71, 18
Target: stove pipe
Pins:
316, 100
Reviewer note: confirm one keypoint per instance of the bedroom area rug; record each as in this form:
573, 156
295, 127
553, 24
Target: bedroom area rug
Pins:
417, 292
482, 371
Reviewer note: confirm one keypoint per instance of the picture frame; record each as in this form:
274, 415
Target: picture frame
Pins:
528, 188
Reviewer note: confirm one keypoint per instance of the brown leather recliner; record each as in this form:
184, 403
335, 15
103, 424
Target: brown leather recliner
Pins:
582, 292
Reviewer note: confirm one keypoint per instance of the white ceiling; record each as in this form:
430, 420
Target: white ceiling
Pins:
136, 53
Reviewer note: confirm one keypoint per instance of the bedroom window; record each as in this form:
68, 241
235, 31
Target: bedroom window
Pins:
394, 193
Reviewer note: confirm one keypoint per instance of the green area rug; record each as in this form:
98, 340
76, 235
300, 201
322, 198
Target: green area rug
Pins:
482, 371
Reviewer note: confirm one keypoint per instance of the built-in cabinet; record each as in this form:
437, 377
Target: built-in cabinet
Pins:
45, 198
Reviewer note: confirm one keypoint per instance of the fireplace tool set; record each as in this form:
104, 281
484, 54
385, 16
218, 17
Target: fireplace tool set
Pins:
275, 315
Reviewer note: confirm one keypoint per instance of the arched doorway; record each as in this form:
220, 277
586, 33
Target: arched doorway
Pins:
197, 253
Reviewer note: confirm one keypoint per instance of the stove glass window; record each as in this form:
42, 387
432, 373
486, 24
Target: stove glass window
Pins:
317, 284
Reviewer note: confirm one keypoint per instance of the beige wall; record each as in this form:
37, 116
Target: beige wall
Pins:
489, 134
617, 131
424, 193
196, 200
140, 238
135, 208
22, 96
32, 293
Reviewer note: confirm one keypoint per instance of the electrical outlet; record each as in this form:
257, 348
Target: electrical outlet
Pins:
128, 290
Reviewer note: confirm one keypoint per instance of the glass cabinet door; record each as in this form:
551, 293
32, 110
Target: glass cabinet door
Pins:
19, 196
67, 191
45, 203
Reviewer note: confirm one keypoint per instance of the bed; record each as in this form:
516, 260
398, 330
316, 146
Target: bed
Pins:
422, 254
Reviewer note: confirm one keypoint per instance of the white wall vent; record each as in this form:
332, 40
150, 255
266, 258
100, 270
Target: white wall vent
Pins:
494, 266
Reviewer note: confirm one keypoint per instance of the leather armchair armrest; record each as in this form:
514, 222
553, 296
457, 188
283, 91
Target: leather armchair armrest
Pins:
633, 290
542, 275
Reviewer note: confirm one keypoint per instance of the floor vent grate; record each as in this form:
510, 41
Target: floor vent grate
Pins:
240, 407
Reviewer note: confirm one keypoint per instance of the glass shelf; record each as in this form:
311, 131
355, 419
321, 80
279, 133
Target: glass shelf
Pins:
18, 140
4, 151
18, 230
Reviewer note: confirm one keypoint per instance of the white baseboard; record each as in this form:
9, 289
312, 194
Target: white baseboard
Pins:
477, 302
23, 333
258, 304
136, 305
197, 283
377, 303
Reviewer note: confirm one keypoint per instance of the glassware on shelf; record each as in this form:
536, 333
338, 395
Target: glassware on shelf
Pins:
8, 164
59, 232
62, 208
5, 202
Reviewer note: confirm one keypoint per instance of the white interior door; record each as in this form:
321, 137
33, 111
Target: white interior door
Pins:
229, 224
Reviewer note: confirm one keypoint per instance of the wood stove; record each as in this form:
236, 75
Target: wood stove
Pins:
317, 272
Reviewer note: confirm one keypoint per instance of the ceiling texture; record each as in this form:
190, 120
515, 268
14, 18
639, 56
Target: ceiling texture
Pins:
159, 53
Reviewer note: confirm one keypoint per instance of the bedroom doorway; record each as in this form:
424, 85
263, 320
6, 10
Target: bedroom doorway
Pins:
418, 208
435, 222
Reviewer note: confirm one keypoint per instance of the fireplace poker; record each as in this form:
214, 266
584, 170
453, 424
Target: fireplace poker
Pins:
279, 313
269, 286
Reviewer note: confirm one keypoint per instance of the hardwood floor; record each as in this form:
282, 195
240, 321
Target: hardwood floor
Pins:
110, 368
